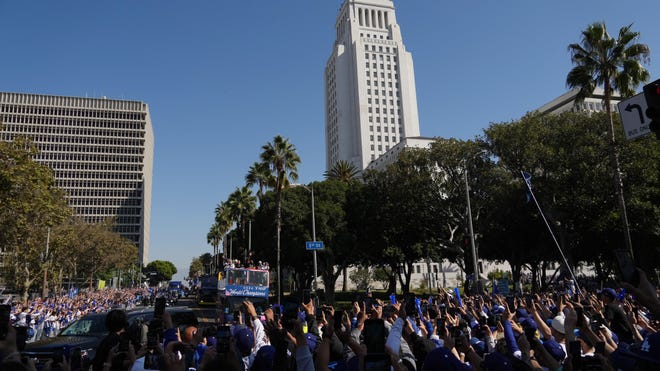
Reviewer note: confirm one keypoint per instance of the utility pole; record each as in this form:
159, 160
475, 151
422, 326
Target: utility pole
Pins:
474, 250
44, 290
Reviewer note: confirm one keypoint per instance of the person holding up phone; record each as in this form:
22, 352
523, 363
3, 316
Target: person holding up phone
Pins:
116, 323
615, 317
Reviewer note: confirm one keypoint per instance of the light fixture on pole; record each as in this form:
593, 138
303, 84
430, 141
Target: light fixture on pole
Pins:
474, 250
311, 189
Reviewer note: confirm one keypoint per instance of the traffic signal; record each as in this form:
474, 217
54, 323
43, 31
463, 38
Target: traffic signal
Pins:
652, 96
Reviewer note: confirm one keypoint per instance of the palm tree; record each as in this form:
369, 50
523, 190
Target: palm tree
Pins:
282, 159
242, 205
214, 237
614, 64
259, 174
346, 172
343, 171
223, 221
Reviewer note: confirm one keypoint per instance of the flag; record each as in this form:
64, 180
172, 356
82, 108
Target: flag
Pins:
458, 297
528, 181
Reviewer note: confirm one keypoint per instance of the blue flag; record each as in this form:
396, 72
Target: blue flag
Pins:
458, 297
528, 180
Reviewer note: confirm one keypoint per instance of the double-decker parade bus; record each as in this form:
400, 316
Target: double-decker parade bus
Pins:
237, 284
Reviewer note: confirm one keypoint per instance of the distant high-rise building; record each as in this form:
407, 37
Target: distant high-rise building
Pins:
370, 98
101, 153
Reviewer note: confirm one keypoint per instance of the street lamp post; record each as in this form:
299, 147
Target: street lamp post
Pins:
44, 289
474, 250
316, 285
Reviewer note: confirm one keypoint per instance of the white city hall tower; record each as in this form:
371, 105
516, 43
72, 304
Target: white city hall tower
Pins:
370, 99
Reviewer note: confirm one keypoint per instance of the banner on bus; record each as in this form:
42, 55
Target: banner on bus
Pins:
246, 290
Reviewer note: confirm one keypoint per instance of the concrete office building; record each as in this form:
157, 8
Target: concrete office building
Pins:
389, 157
370, 98
101, 153
566, 102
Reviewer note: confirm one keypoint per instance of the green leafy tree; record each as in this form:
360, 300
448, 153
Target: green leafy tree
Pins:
461, 165
401, 210
282, 159
163, 268
196, 268
361, 277
31, 203
614, 64
564, 154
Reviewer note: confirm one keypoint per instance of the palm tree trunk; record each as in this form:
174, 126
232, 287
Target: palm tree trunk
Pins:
279, 228
618, 182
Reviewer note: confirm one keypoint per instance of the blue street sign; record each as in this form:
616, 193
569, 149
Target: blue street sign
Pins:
314, 245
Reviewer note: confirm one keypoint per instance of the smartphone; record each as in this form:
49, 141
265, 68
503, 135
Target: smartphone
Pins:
277, 313
339, 315
319, 313
368, 302
223, 337
159, 308
306, 296
511, 302
291, 309
374, 335
5, 311
627, 267
441, 323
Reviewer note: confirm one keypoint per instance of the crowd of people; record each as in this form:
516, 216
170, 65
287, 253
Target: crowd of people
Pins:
44, 317
611, 329
250, 262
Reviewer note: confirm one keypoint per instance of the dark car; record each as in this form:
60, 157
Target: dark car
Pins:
87, 332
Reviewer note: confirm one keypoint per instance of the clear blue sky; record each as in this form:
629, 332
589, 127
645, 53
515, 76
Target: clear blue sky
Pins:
224, 77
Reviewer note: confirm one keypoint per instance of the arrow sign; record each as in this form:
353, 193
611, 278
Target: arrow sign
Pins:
633, 117
631, 107
314, 245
